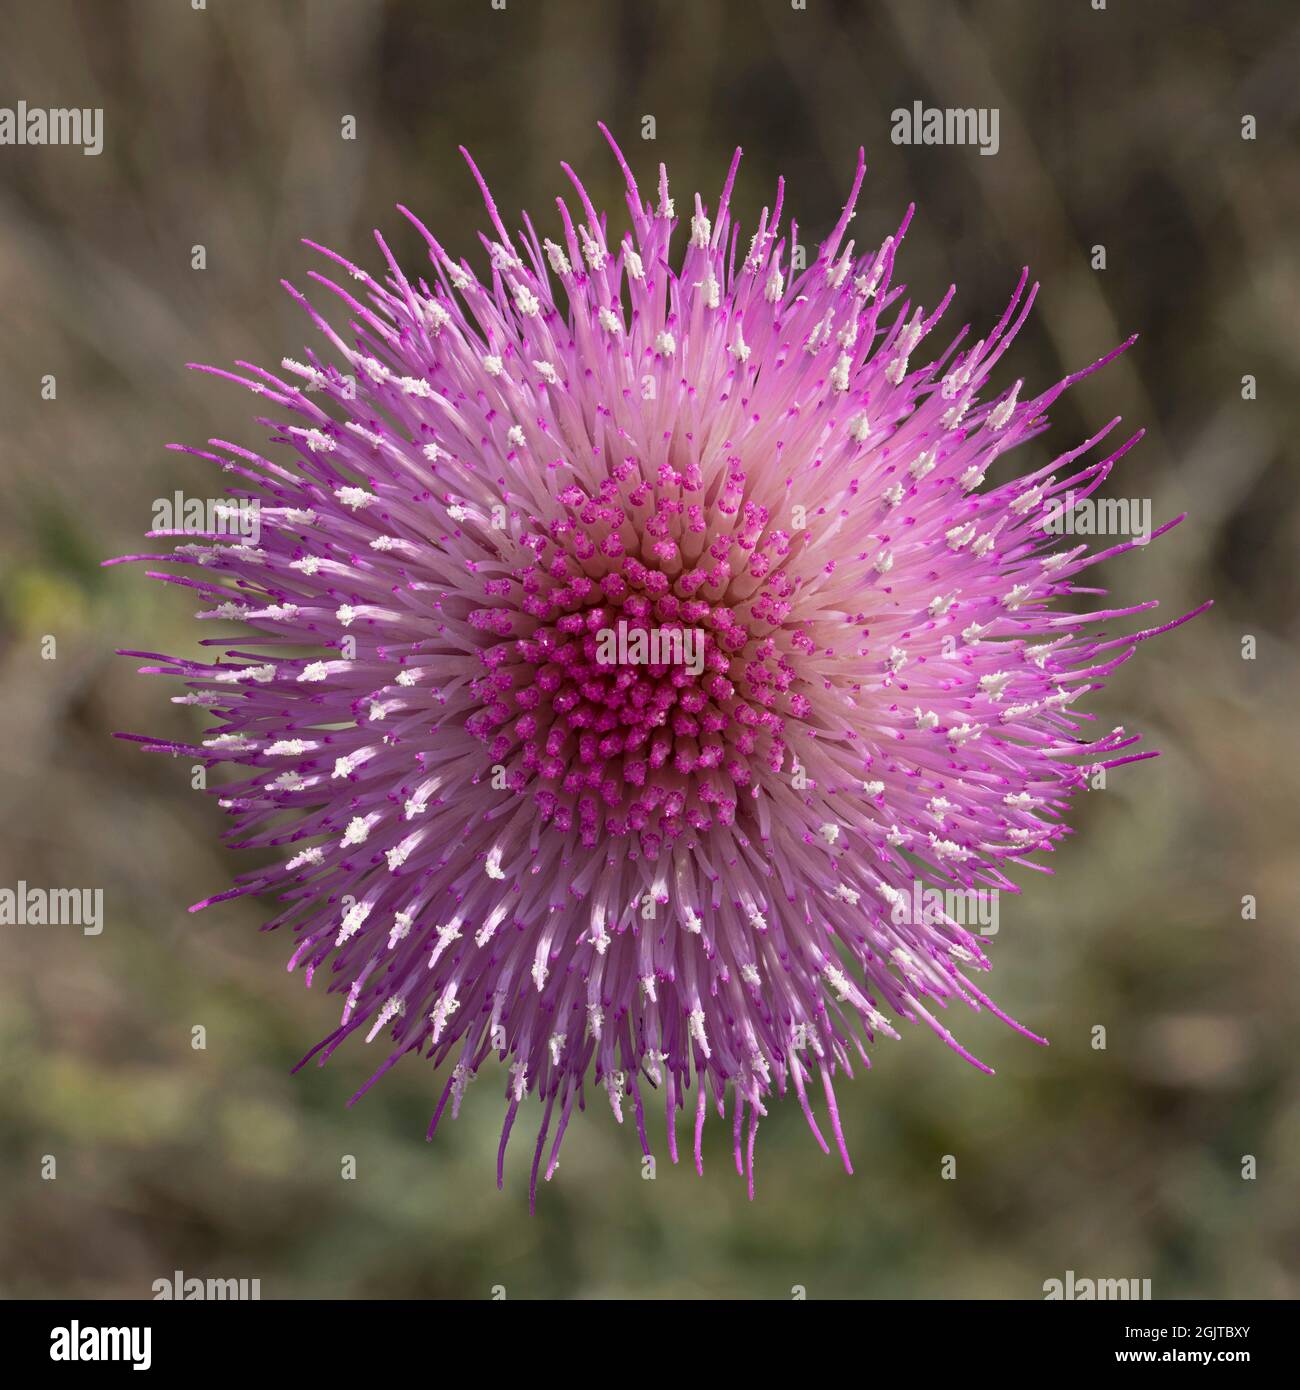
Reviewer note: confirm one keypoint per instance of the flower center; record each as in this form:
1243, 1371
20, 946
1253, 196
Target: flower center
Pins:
629, 709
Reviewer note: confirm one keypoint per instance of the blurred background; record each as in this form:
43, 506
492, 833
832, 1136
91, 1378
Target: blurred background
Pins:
1119, 127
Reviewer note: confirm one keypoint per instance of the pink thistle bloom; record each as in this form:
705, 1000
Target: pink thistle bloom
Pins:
672, 626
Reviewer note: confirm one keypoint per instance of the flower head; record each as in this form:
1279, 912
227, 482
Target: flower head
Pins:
668, 629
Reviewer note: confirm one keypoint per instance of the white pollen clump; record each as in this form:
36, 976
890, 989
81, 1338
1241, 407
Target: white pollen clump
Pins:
315, 440
922, 464
1020, 505
926, 719
435, 316
1017, 596
357, 833
402, 924
700, 230
895, 897
665, 344
907, 340
846, 894
346, 614
953, 417
354, 497
314, 855
946, 849
884, 562
609, 321
749, 974
894, 494
860, 427
971, 478
614, 1084
839, 982
352, 921
1002, 412
443, 1010
695, 1025
548, 373
995, 684
515, 434
526, 301
632, 264
940, 604
555, 254
258, 674
594, 252
393, 1008
317, 671
840, 373
315, 378
493, 867
493, 366
829, 831
432, 452
873, 788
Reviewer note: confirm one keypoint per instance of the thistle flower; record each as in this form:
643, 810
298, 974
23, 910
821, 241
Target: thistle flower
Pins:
503, 833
